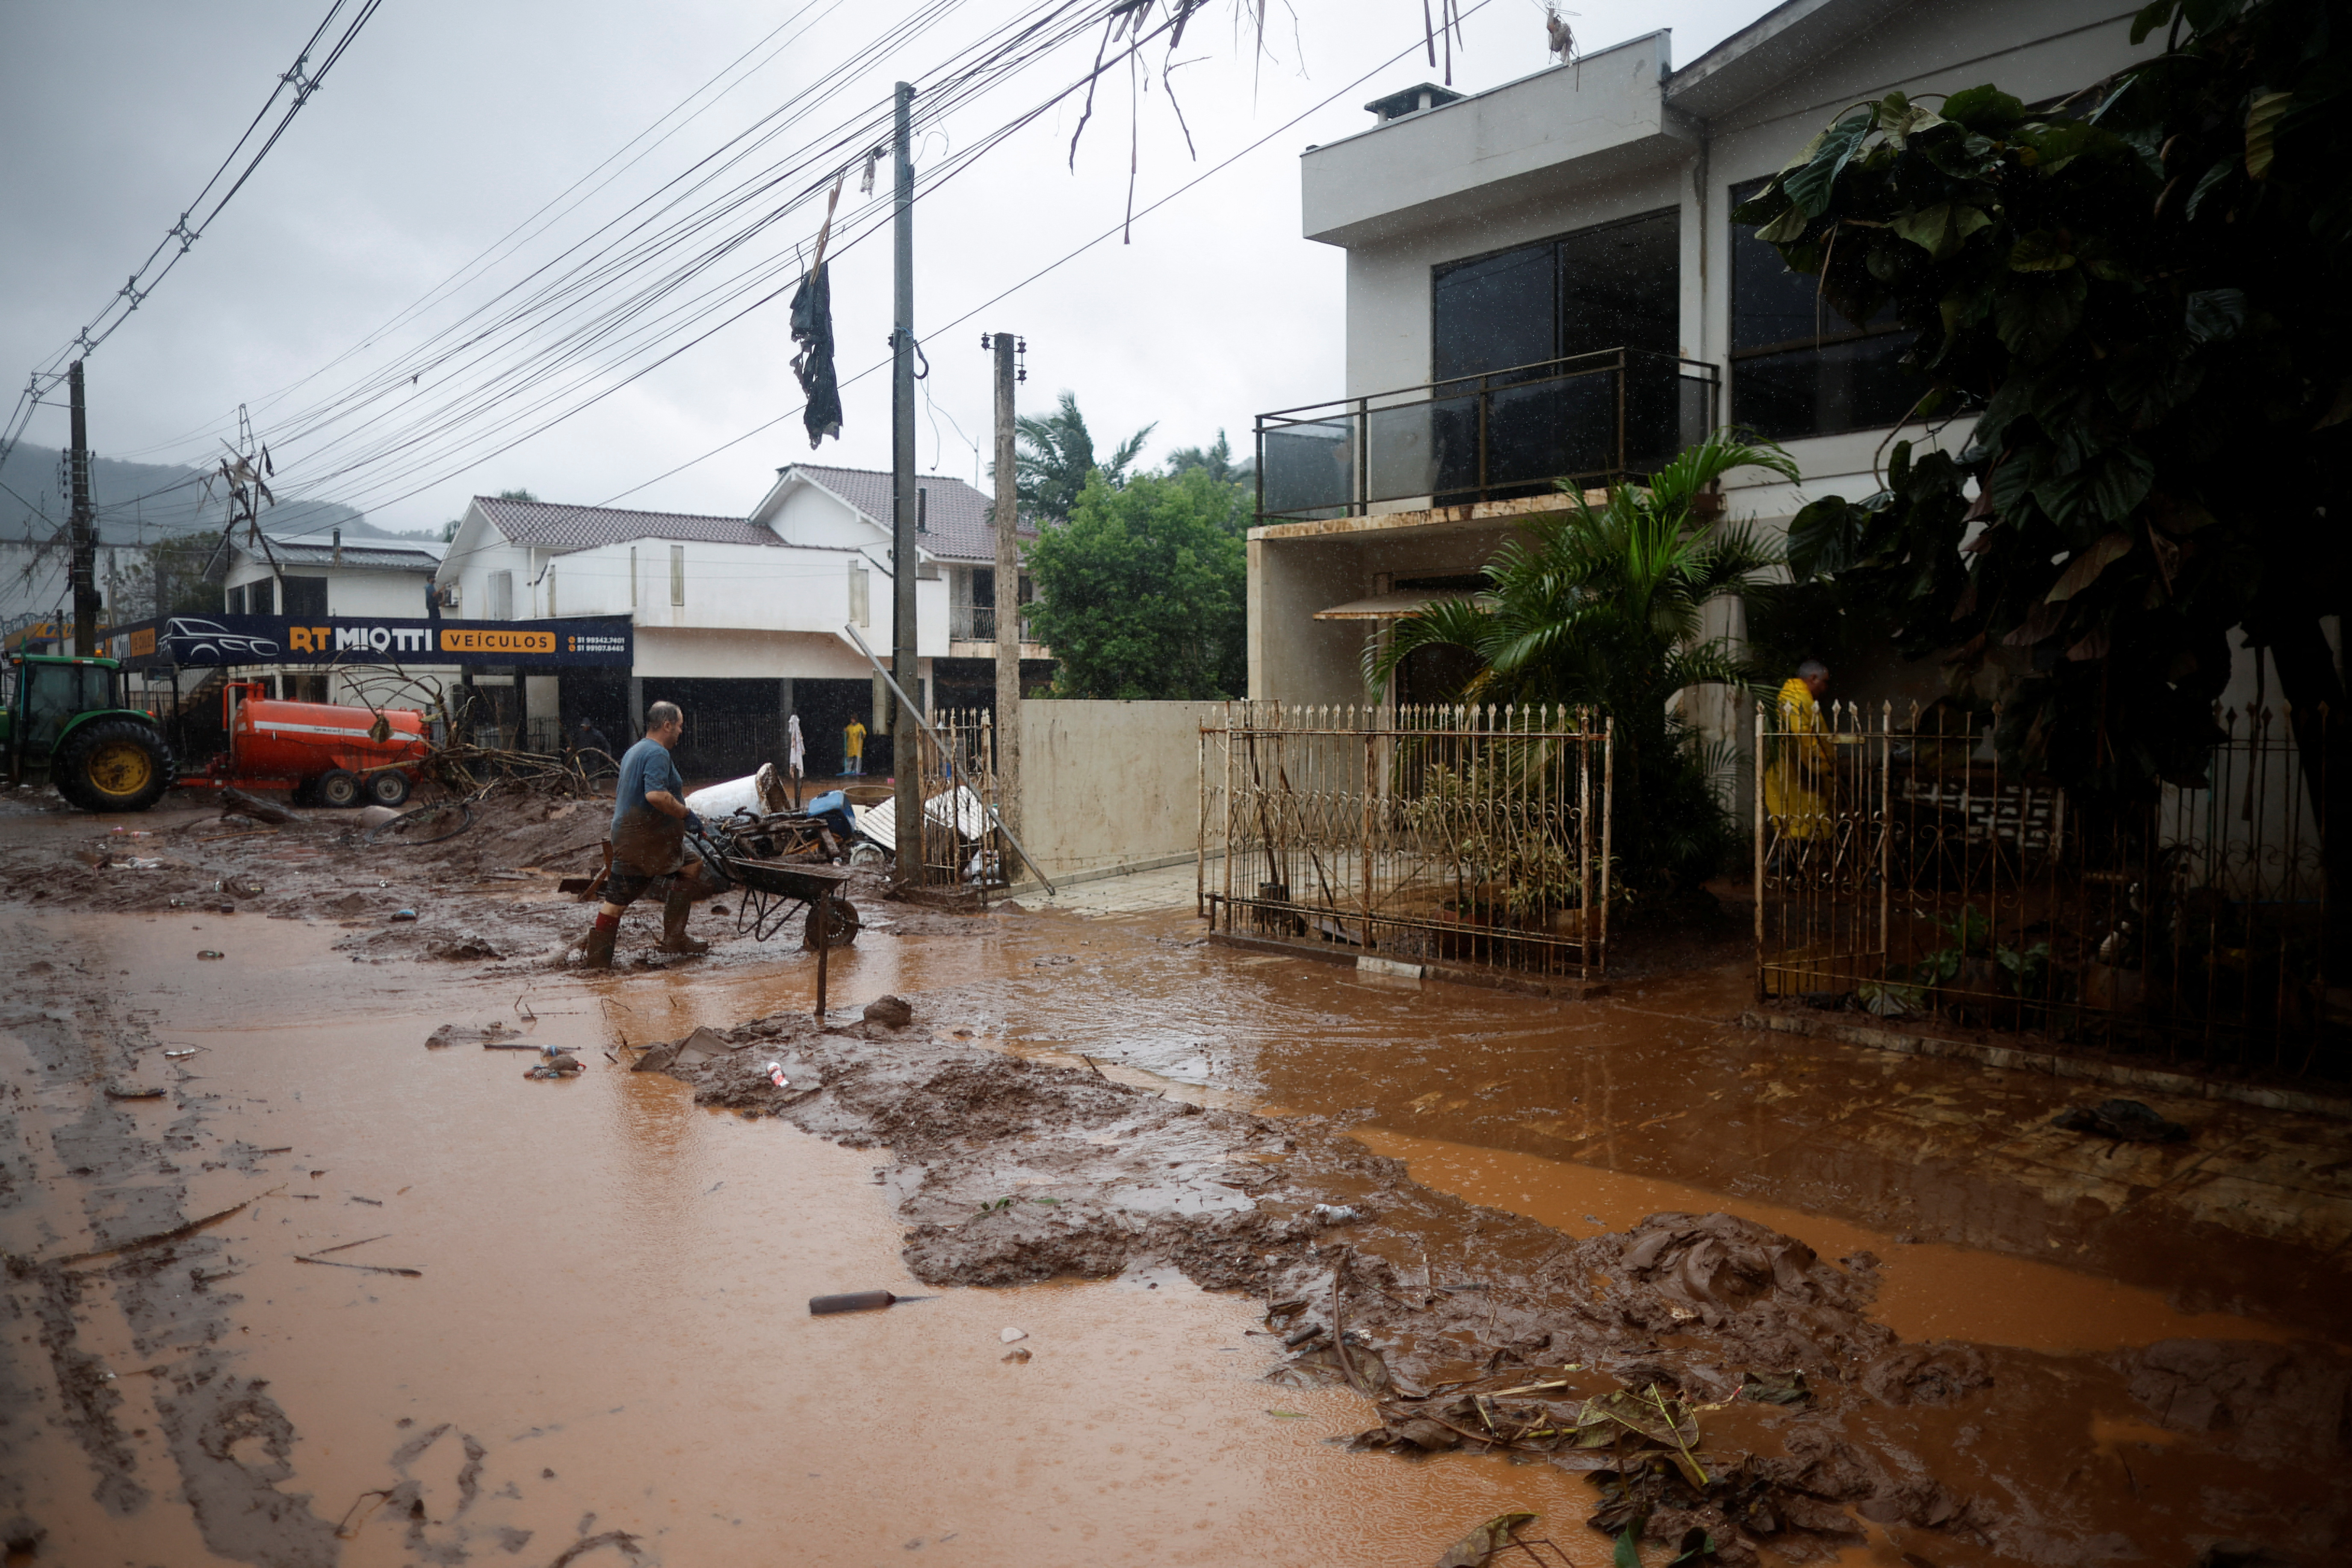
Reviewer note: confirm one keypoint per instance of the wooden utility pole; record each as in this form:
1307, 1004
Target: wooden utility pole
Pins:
83, 521
1008, 594
906, 734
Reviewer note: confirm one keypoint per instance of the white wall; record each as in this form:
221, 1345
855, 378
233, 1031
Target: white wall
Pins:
1110, 784
806, 513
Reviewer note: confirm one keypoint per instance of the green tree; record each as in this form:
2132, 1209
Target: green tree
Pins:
2142, 294
1601, 606
1141, 592
1216, 461
1056, 454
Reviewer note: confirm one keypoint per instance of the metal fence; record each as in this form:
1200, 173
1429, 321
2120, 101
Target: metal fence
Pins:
977, 623
1452, 835
1900, 869
963, 844
1589, 419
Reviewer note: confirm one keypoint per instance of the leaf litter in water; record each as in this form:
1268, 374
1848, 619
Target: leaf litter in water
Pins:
1473, 1549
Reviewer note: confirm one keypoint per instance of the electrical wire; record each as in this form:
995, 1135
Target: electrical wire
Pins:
131, 295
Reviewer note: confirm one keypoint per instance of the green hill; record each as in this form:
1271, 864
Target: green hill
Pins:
144, 502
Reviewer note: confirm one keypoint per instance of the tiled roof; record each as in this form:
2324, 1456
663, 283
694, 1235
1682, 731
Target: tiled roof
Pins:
377, 555
559, 527
955, 515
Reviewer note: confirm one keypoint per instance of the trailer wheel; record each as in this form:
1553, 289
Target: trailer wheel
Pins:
117, 764
388, 788
336, 789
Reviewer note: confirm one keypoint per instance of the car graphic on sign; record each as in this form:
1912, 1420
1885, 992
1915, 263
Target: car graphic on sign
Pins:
188, 638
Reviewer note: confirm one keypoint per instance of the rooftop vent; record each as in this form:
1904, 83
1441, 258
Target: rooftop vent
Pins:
1413, 100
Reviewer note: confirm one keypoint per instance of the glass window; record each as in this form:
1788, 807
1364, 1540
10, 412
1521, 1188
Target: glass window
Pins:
1798, 367
677, 574
1613, 285
306, 597
502, 596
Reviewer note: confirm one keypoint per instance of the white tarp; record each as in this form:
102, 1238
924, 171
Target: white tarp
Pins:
762, 792
957, 809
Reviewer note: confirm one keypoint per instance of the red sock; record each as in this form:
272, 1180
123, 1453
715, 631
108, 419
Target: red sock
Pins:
608, 922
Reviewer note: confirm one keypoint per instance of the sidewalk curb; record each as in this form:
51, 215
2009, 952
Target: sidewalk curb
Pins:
1458, 974
2052, 1065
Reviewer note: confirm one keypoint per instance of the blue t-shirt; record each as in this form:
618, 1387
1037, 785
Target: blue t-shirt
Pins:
646, 767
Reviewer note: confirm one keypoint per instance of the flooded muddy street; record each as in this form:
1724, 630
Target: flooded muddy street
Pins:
287, 1285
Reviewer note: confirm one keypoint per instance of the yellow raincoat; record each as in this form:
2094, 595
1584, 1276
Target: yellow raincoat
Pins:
1800, 770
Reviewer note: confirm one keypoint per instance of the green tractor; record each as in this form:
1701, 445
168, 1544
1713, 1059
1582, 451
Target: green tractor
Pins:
63, 721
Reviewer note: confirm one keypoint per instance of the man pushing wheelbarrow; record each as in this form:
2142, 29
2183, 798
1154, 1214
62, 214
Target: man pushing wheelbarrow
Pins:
650, 822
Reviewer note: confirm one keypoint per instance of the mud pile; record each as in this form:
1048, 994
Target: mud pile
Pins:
1708, 1373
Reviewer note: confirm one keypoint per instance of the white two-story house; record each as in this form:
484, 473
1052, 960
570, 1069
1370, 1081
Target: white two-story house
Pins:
1543, 283
740, 620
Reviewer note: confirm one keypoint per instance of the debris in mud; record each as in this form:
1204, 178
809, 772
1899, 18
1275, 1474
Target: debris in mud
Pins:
702, 1046
858, 1301
402, 915
210, 953
2125, 1120
1478, 1548
1012, 1336
890, 1012
560, 1064
1017, 1357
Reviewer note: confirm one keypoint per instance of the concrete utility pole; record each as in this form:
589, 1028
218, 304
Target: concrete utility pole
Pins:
1008, 595
83, 521
905, 735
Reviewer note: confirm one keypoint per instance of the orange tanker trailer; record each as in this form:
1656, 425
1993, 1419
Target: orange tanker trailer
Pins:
326, 753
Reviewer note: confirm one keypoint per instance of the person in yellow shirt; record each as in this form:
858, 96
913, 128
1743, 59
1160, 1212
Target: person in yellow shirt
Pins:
853, 744
1798, 776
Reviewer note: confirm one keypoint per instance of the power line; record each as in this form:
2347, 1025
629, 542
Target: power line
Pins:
296, 79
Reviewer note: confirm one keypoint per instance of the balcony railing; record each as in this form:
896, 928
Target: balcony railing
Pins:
977, 623
1588, 419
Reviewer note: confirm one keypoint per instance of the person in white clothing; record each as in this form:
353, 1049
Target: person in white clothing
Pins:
796, 761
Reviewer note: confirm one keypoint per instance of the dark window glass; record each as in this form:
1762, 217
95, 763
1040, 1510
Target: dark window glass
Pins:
1798, 367
1619, 286
1494, 313
1615, 286
306, 597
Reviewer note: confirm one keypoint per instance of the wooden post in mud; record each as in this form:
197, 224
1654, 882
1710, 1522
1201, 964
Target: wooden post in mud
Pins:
821, 913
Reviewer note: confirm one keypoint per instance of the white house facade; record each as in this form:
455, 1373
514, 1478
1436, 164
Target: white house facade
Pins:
740, 620
1543, 282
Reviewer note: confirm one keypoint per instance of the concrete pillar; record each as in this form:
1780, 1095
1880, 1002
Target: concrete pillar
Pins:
636, 709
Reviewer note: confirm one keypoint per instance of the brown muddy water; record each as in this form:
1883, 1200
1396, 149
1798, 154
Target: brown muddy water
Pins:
606, 1353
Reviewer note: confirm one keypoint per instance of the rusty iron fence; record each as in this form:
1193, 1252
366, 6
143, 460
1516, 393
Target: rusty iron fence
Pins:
963, 844
1465, 834
1901, 870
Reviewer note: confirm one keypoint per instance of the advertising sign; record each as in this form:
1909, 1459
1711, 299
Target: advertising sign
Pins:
606, 642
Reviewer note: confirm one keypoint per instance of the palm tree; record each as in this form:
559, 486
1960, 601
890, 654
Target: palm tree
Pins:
1601, 606
1057, 452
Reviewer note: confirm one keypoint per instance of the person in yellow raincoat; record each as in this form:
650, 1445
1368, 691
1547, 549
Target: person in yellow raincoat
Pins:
1800, 771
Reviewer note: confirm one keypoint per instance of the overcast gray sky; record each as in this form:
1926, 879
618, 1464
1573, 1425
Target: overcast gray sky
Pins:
451, 121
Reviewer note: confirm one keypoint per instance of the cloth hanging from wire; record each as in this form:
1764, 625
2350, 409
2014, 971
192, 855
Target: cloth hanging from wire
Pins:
812, 330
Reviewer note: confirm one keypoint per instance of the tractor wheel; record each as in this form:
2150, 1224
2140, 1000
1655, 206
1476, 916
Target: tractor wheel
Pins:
337, 789
116, 765
388, 788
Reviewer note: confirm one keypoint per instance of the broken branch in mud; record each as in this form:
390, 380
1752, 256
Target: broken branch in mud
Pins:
175, 1234
364, 1268
347, 1246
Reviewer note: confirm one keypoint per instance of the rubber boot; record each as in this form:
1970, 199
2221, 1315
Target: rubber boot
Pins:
600, 947
675, 909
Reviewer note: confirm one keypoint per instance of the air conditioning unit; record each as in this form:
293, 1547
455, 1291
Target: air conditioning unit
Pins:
447, 595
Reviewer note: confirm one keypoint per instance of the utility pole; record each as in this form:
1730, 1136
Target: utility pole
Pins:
83, 521
1008, 595
905, 735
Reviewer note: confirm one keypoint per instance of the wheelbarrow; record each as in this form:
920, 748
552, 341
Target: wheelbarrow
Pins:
770, 891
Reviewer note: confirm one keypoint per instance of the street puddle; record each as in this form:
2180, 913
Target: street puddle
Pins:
1928, 1291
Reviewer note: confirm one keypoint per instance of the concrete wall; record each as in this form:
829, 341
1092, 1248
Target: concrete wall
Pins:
1108, 785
